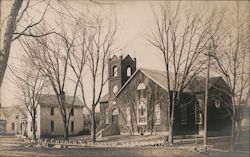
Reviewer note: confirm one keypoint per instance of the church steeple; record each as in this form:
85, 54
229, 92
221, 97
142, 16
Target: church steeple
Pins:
119, 71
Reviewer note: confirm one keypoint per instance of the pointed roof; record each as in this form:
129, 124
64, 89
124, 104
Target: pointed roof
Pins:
160, 78
114, 58
128, 57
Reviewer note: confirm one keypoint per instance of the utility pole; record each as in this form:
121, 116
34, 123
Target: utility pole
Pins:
206, 98
0, 49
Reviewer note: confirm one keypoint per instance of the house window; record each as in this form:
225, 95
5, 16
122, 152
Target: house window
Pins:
115, 71
142, 113
198, 112
52, 127
157, 113
183, 114
12, 126
72, 112
107, 116
17, 115
128, 113
52, 111
129, 71
72, 126
217, 103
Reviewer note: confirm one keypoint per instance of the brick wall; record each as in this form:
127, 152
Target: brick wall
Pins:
129, 98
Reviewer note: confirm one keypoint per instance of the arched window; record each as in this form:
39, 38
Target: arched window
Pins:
128, 114
141, 86
115, 112
217, 103
129, 71
157, 114
142, 113
115, 71
141, 90
107, 116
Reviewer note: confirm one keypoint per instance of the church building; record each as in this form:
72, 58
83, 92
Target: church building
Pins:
138, 99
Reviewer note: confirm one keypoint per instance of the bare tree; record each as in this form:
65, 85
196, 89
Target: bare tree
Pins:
53, 55
181, 38
157, 96
231, 55
23, 20
14, 21
98, 36
30, 83
131, 101
10, 29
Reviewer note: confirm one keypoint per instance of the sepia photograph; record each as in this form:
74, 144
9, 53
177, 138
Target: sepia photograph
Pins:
124, 78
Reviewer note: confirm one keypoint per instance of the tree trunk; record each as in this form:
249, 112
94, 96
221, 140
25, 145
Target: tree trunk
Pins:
170, 136
171, 124
66, 129
8, 35
93, 126
233, 130
34, 128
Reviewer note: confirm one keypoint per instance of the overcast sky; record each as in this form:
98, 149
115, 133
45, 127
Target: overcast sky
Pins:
135, 18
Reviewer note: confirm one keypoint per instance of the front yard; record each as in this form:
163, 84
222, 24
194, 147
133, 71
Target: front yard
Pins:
130, 146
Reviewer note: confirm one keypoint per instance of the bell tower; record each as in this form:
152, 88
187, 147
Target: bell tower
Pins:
119, 71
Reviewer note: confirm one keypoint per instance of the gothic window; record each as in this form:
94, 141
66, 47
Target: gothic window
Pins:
198, 112
183, 114
157, 113
141, 89
128, 113
115, 71
217, 103
142, 113
115, 112
129, 71
107, 116
141, 86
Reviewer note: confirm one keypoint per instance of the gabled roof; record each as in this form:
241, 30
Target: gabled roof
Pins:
46, 99
9, 110
114, 57
160, 78
199, 84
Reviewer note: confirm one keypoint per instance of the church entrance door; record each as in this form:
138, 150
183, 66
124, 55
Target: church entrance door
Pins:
115, 116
